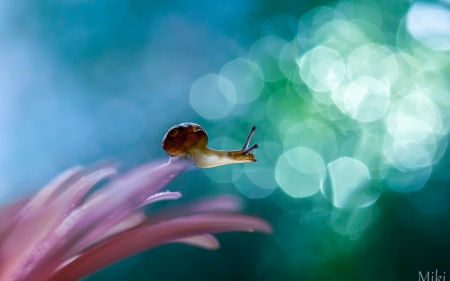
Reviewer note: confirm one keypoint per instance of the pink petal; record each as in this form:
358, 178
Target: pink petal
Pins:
142, 238
205, 241
131, 221
167, 195
43, 196
218, 204
73, 195
34, 237
8, 217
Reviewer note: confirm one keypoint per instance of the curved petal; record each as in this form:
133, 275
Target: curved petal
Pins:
132, 220
218, 204
205, 241
44, 195
160, 196
143, 238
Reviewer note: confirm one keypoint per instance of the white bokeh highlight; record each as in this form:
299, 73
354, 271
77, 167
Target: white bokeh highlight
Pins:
322, 69
300, 172
349, 184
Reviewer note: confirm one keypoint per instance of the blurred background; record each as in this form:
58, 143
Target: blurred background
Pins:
351, 100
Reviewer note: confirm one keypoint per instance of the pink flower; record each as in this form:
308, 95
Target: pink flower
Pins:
62, 233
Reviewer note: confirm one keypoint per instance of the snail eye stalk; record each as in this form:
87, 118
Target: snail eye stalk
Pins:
190, 140
251, 149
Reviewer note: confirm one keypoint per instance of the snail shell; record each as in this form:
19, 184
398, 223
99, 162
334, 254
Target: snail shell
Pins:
180, 138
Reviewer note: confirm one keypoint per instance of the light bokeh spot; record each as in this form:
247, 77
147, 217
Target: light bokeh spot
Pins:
300, 172
313, 135
349, 184
247, 79
265, 52
414, 126
322, 69
429, 24
366, 99
373, 60
415, 116
248, 187
212, 96
340, 35
287, 61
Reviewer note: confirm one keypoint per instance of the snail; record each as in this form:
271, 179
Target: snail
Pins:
190, 140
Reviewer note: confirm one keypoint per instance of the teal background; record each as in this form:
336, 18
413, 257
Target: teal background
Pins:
82, 81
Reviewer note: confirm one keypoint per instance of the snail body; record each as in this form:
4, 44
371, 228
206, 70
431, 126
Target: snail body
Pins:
190, 140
